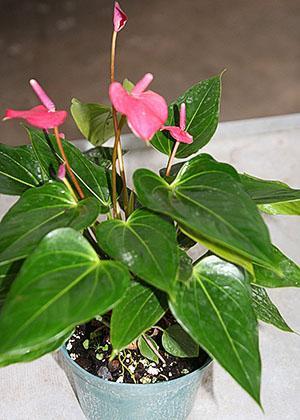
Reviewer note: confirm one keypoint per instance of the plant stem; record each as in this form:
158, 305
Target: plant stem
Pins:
171, 158
66, 162
117, 151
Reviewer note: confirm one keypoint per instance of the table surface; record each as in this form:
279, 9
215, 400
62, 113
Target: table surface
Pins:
264, 147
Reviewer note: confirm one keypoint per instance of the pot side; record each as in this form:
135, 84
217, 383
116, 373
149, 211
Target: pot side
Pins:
106, 400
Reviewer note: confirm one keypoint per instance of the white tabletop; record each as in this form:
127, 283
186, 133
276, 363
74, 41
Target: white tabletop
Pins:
264, 147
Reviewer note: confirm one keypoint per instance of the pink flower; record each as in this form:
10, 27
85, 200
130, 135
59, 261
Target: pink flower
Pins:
146, 111
120, 18
42, 116
179, 133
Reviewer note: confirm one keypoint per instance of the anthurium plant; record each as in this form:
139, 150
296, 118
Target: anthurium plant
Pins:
80, 244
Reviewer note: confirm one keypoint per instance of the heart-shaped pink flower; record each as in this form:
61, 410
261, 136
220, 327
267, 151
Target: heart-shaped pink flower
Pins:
42, 116
146, 111
178, 133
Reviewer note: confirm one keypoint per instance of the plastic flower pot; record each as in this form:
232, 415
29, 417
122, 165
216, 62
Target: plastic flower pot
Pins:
101, 399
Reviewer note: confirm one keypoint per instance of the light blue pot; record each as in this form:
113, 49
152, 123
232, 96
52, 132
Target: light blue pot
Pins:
105, 400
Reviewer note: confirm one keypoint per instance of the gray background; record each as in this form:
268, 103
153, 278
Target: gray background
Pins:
65, 45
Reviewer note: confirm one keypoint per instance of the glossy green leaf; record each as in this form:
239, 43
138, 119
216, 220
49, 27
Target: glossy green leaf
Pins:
266, 310
210, 205
215, 308
290, 276
63, 283
35, 352
272, 197
93, 179
140, 308
8, 273
146, 244
178, 342
146, 350
19, 169
202, 114
95, 121
36, 213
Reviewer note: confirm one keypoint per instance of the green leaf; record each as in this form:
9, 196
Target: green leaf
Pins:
179, 343
290, 276
93, 179
185, 267
146, 244
95, 121
266, 310
8, 273
63, 283
35, 352
272, 197
215, 308
210, 205
146, 350
19, 169
140, 308
202, 114
36, 213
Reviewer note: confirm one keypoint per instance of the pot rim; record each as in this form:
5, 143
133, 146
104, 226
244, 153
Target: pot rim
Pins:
84, 374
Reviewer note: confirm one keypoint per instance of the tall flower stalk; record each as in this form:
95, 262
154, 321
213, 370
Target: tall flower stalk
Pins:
119, 21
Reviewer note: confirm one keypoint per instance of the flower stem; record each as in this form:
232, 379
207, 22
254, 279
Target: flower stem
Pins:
117, 151
66, 162
171, 158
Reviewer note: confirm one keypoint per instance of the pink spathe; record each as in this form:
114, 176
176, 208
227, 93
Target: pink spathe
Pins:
120, 18
179, 133
146, 111
39, 116
42, 116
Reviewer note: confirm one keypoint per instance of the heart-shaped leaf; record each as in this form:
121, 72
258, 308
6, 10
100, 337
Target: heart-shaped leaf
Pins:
210, 205
62, 284
36, 213
178, 342
272, 197
19, 169
202, 114
289, 277
95, 121
215, 308
93, 179
140, 308
146, 244
266, 310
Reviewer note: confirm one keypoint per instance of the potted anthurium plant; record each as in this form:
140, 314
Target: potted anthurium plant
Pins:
136, 320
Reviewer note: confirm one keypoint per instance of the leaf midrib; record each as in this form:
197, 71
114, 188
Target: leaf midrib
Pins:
231, 341
51, 301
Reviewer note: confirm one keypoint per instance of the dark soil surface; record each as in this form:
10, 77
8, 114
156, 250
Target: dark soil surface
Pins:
90, 347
